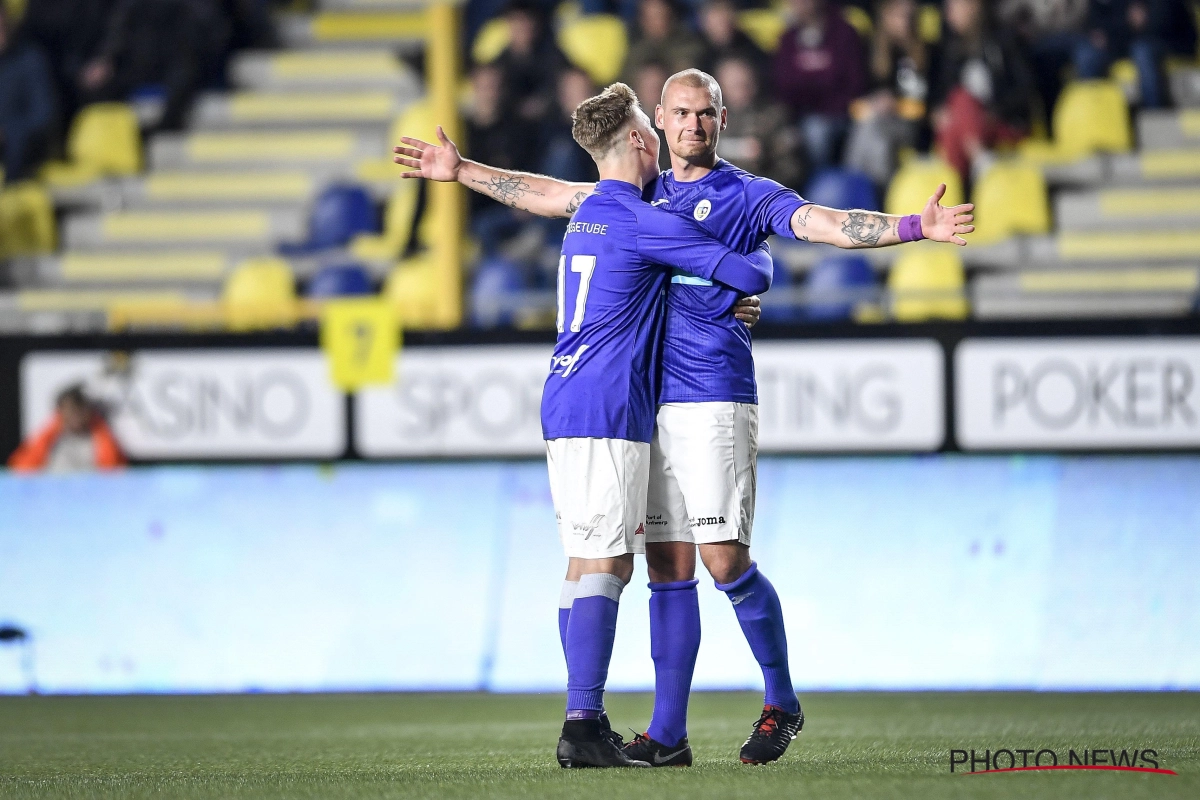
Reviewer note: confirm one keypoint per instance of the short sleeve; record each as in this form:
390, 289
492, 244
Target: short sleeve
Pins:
771, 206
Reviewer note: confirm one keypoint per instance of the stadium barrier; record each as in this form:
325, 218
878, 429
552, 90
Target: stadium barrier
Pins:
977, 387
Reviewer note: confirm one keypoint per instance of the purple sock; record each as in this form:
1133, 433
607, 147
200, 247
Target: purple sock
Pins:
761, 617
565, 598
674, 644
590, 634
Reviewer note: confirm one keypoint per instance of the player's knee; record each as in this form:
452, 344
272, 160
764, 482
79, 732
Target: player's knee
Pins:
668, 562
725, 562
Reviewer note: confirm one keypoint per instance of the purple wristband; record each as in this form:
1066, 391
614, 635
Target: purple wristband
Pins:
910, 228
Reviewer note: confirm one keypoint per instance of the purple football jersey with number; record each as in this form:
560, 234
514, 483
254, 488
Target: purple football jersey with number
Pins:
616, 262
706, 351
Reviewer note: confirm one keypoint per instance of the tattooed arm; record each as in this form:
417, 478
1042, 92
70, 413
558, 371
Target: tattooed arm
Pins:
537, 194
856, 228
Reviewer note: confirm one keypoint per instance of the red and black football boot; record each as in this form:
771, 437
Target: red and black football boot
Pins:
657, 754
772, 734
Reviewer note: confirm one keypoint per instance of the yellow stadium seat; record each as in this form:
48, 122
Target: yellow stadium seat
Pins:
490, 41
929, 23
397, 226
26, 220
860, 20
1090, 117
1010, 198
411, 287
352, 26
1124, 73
104, 141
260, 293
927, 282
597, 44
915, 182
764, 25
417, 122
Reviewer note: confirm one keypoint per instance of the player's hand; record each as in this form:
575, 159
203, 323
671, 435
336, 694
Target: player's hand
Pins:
748, 310
942, 224
436, 162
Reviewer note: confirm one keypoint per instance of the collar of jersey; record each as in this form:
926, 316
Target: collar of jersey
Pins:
669, 176
611, 186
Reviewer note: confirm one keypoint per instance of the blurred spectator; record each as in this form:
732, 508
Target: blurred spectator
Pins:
661, 36
502, 140
76, 439
561, 156
69, 32
1146, 31
531, 62
723, 39
26, 102
250, 24
648, 84
819, 68
1052, 31
887, 119
984, 90
758, 137
174, 44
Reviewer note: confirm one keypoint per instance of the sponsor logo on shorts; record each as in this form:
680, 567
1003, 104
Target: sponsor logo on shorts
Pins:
565, 364
656, 520
641, 531
700, 522
587, 528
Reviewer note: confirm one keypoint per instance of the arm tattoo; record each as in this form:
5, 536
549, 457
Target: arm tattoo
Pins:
864, 228
573, 206
802, 221
508, 189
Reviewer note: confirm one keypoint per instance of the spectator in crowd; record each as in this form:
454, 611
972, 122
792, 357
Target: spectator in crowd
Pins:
723, 39
26, 102
76, 439
531, 62
819, 69
561, 156
500, 139
661, 36
172, 43
648, 84
888, 118
69, 31
1146, 31
1052, 31
758, 137
983, 94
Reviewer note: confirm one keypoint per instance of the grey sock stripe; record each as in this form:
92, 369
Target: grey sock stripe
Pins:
566, 597
600, 584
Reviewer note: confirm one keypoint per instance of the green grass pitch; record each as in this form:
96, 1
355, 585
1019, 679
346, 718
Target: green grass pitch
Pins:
854, 745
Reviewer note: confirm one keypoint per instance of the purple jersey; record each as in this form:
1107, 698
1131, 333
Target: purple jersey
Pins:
706, 351
616, 261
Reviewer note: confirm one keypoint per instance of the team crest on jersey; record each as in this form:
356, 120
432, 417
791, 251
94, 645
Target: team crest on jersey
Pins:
703, 209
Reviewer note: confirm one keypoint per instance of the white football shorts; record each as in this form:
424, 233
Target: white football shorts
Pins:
599, 491
703, 470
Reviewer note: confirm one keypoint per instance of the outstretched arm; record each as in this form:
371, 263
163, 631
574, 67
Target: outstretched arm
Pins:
854, 229
537, 194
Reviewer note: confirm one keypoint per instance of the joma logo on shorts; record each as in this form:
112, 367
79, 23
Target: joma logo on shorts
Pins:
701, 521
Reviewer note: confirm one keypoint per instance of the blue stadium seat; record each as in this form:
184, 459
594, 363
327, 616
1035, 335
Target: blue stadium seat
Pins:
339, 214
496, 280
842, 188
340, 280
835, 285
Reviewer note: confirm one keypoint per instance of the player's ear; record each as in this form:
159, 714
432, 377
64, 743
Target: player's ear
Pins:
724, 117
658, 117
635, 139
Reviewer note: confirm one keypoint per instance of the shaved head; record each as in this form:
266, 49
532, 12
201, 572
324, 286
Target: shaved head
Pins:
694, 79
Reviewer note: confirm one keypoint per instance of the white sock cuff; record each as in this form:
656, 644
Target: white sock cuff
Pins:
566, 598
600, 584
